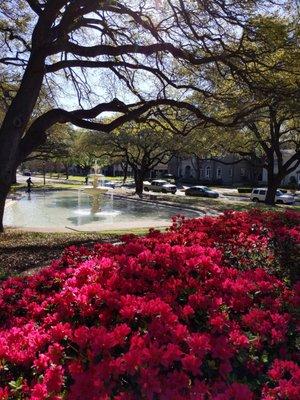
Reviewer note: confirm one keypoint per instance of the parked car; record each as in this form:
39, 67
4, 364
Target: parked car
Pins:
259, 194
128, 185
169, 178
26, 172
159, 185
201, 191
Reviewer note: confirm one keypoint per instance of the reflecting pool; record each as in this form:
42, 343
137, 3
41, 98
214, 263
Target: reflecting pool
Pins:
63, 210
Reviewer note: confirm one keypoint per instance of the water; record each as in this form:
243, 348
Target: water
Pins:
77, 210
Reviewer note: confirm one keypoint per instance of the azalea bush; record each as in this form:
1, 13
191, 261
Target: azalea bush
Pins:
198, 312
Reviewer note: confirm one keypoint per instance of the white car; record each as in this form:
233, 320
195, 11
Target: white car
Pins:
259, 194
159, 185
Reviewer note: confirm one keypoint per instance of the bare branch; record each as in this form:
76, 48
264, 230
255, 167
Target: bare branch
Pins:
35, 6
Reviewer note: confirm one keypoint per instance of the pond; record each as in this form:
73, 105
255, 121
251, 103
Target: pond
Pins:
64, 210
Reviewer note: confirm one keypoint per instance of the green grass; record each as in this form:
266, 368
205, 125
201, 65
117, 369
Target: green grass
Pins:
49, 186
29, 239
77, 178
117, 178
219, 205
73, 179
35, 250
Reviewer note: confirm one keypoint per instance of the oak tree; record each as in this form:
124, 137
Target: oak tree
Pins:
58, 43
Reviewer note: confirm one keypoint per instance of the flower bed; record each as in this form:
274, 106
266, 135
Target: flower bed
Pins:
199, 312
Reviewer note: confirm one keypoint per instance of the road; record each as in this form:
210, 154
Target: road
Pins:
226, 194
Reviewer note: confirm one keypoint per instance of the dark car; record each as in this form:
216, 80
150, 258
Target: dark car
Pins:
169, 177
108, 184
201, 191
128, 185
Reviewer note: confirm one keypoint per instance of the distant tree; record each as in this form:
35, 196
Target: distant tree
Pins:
136, 145
272, 83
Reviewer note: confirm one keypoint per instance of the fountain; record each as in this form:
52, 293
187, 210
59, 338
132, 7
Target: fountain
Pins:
66, 209
95, 192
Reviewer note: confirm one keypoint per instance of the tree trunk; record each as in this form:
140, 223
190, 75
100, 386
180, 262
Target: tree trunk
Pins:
125, 171
14, 180
67, 171
44, 174
15, 123
139, 181
273, 183
4, 189
271, 193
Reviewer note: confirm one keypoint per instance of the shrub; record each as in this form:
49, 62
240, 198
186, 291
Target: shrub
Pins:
198, 312
244, 190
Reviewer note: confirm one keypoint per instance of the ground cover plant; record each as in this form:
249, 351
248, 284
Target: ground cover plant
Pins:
203, 311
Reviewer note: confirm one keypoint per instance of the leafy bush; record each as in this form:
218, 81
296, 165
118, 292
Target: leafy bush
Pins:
198, 312
244, 190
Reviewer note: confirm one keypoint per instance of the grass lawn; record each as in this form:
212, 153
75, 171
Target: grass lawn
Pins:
218, 205
77, 178
22, 251
60, 177
49, 186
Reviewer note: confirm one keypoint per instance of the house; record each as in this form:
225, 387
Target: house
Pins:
117, 170
286, 155
227, 170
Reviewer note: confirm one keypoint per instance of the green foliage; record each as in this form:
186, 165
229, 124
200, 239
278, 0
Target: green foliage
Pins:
138, 145
264, 81
244, 190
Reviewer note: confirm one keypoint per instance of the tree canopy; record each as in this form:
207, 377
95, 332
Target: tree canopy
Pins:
122, 57
272, 82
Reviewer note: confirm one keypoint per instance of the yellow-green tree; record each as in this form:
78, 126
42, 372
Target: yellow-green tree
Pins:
270, 85
140, 146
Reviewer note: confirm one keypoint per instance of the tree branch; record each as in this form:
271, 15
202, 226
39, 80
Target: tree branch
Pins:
35, 6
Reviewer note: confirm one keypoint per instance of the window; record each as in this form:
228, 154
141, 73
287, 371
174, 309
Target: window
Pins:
207, 172
255, 191
187, 171
263, 192
230, 173
244, 172
219, 173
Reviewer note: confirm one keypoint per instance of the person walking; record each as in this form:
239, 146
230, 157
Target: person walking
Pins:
29, 184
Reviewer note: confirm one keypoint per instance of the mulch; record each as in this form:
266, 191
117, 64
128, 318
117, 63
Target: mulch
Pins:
29, 259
